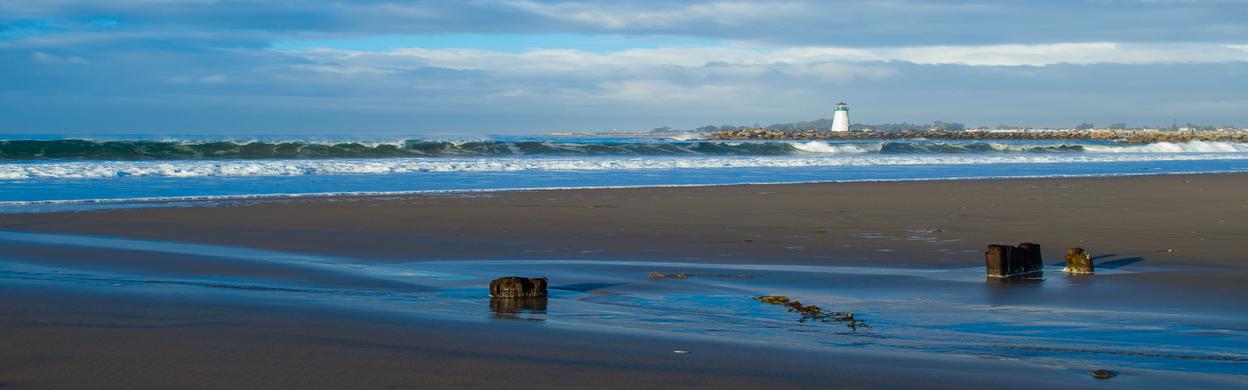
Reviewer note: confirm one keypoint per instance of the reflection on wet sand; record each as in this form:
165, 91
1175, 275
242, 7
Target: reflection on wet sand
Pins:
513, 308
1034, 278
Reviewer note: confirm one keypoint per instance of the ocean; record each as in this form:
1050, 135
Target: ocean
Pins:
48, 173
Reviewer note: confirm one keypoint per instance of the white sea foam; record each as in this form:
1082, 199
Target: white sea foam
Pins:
1170, 147
824, 147
686, 137
200, 168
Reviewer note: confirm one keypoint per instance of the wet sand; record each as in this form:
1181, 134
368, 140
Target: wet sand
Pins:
101, 340
379, 291
1169, 218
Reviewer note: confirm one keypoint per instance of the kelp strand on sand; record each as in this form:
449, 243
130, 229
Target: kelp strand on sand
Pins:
812, 312
660, 275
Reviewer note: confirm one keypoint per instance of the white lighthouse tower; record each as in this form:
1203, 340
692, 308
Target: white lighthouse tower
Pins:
840, 121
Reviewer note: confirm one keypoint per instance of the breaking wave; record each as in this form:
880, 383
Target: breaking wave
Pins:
1171, 147
258, 150
35, 150
297, 167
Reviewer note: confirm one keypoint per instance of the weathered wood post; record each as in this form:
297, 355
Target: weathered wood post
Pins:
1016, 261
997, 260
518, 287
1032, 259
1005, 261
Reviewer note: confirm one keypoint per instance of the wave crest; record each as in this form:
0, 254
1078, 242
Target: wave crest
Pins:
112, 169
64, 150
1171, 147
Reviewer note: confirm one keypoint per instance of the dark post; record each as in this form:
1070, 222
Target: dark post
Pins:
997, 259
1032, 260
1016, 262
518, 287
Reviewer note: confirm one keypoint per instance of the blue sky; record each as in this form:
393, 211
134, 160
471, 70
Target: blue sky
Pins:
494, 67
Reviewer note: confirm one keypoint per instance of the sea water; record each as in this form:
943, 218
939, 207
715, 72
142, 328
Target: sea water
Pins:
53, 170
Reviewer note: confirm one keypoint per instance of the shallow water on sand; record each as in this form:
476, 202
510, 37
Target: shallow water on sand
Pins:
1117, 319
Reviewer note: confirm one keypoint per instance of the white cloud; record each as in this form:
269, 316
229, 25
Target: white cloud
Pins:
212, 79
666, 74
627, 17
691, 74
1070, 53
209, 79
717, 59
828, 62
46, 58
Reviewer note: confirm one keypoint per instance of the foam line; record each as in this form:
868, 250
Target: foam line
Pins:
215, 168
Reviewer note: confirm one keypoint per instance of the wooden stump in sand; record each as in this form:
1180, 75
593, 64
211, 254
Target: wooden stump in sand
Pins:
1007, 260
1016, 266
997, 259
1032, 260
518, 287
1078, 261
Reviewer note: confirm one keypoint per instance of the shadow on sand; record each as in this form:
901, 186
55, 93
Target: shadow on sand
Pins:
1115, 264
1110, 264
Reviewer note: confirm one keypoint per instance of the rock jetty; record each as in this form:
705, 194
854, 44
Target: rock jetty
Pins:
1124, 136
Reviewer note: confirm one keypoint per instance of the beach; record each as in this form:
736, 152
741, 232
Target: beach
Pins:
1200, 217
389, 291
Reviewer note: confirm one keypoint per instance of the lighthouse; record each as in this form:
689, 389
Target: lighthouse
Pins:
840, 121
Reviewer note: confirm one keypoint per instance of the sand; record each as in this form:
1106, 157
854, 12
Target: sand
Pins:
194, 317
1169, 218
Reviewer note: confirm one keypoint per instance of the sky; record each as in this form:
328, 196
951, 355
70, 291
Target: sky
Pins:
528, 66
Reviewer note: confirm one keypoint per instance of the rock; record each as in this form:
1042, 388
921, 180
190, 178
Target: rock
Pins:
1078, 261
518, 287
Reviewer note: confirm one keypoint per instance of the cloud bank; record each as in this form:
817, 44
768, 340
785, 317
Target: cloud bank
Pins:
477, 67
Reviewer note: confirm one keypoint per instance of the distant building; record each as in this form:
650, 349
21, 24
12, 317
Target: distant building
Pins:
840, 121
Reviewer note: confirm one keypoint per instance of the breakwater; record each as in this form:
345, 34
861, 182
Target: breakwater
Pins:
1125, 136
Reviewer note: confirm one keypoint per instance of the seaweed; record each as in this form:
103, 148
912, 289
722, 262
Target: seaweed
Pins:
660, 275
812, 312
